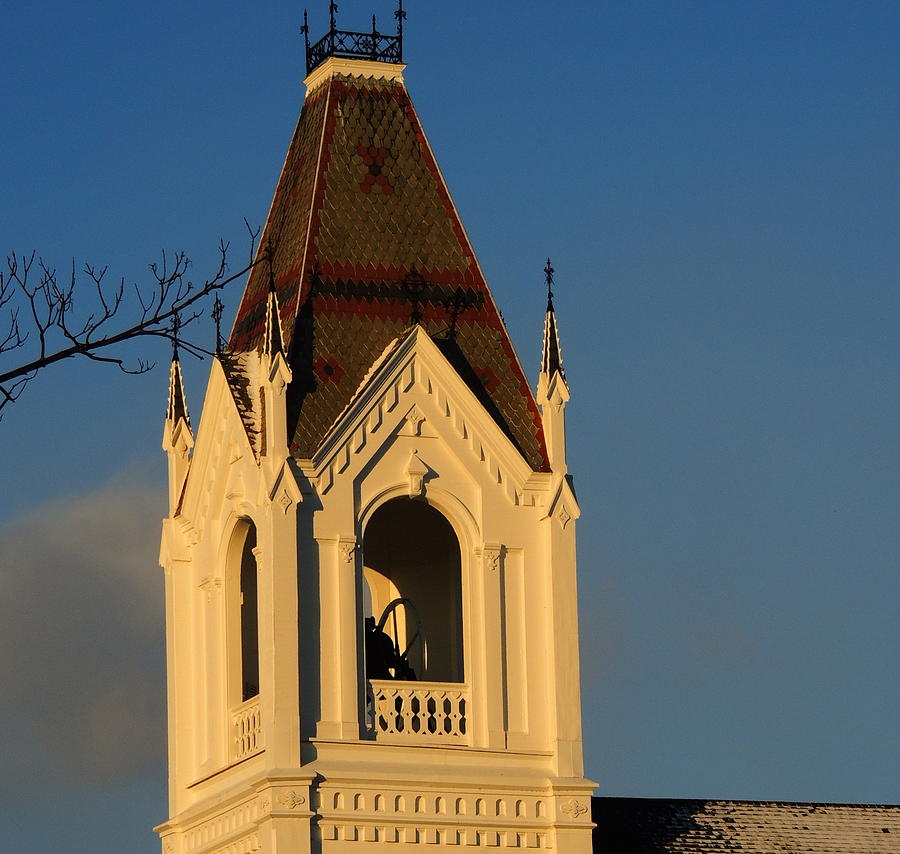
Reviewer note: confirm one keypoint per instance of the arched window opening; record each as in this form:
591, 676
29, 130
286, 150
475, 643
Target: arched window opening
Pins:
249, 617
412, 594
242, 626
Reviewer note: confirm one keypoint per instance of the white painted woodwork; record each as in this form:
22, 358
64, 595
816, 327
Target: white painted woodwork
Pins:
322, 760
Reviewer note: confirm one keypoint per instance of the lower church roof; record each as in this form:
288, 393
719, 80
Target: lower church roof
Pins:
664, 826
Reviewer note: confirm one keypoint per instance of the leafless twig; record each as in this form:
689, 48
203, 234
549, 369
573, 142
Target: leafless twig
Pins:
41, 316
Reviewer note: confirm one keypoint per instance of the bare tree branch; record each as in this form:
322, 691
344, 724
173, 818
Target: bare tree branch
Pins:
58, 329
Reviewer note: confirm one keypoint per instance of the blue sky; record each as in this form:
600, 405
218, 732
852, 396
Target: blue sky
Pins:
717, 185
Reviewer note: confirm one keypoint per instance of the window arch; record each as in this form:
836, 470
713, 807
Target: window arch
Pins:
243, 618
413, 580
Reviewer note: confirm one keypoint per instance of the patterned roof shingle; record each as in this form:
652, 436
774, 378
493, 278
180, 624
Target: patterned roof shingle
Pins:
662, 826
365, 240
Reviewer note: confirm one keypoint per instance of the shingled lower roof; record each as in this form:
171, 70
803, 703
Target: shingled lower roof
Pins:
663, 826
365, 241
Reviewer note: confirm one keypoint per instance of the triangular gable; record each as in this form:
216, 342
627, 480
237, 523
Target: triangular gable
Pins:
413, 381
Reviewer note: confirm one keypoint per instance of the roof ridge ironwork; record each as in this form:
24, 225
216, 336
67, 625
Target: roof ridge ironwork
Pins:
373, 46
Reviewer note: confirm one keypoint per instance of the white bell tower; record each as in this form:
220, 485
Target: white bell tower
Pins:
369, 556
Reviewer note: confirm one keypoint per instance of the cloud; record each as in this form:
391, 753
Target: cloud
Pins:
82, 660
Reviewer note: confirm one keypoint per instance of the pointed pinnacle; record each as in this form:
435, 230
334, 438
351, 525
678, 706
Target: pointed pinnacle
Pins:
176, 407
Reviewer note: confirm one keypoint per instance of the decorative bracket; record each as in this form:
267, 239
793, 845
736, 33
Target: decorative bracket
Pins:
416, 471
492, 554
346, 548
257, 556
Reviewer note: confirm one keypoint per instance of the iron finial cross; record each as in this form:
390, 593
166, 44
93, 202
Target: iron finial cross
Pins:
548, 272
459, 302
176, 326
414, 285
304, 30
400, 15
218, 310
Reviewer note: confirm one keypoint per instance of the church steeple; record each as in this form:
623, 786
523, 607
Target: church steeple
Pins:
370, 563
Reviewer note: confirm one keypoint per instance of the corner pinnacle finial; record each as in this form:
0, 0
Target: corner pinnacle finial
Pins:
400, 15
274, 341
304, 30
176, 326
176, 405
332, 13
551, 357
218, 310
548, 272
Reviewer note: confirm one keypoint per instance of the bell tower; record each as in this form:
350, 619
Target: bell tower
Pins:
369, 556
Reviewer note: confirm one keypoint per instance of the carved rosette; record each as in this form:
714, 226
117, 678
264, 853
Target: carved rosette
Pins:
573, 809
291, 800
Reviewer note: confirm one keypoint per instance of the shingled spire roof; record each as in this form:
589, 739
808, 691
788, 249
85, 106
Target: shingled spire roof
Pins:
366, 241
176, 405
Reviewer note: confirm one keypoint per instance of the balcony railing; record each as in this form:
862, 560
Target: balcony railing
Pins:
430, 712
246, 729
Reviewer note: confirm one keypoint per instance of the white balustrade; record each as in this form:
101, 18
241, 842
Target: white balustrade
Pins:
433, 712
246, 729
